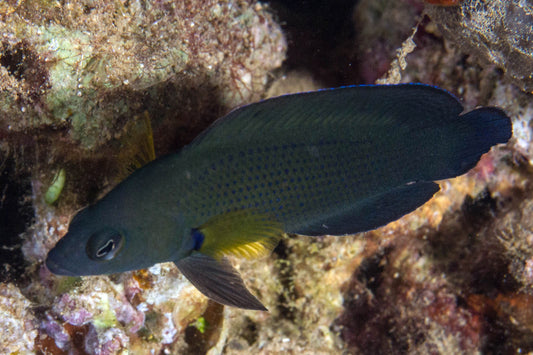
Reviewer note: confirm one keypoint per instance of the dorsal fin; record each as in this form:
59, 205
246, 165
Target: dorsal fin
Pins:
137, 147
348, 108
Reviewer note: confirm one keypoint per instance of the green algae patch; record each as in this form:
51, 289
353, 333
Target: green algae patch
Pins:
87, 70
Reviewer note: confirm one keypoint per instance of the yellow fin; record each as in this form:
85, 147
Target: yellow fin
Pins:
242, 233
137, 146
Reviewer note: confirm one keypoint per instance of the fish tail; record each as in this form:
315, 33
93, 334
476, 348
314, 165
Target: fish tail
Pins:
490, 126
475, 133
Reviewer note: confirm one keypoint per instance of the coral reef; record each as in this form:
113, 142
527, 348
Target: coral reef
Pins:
455, 276
381, 27
74, 77
19, 326
83, 68
497, 32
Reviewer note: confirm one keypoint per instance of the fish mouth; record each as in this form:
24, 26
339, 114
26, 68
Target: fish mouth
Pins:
56, 268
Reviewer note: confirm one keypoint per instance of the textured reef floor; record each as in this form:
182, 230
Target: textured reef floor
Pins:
455, 276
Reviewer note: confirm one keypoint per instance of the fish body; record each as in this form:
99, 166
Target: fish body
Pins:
336, 161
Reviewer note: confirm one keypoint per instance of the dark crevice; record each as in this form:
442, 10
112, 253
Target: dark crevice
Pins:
469, 251
25, 65
370, 320
14, 61
202, 338
478, 209
250, 331
371, 270
318, 34
286, 275
16, 214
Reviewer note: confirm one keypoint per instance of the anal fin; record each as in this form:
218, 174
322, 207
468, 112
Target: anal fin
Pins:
374, 211
218, 280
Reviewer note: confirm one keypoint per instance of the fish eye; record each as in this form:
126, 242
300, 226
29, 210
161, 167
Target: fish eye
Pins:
104, 244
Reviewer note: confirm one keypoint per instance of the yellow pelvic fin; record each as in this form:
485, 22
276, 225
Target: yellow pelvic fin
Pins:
242, 233
137, 145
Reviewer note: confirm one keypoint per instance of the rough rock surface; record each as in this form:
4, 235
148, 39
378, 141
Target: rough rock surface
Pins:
497, 32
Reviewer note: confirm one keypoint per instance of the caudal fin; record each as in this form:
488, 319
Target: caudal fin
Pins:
490, 125
473, 135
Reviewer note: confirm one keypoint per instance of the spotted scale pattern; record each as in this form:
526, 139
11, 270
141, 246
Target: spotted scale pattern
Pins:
294, 182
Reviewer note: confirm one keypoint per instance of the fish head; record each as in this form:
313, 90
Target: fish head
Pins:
102, 243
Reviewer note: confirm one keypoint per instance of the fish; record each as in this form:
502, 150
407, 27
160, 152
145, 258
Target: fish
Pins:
329, 162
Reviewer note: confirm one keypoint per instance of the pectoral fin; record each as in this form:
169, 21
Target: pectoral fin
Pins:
242, 233
218, 280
